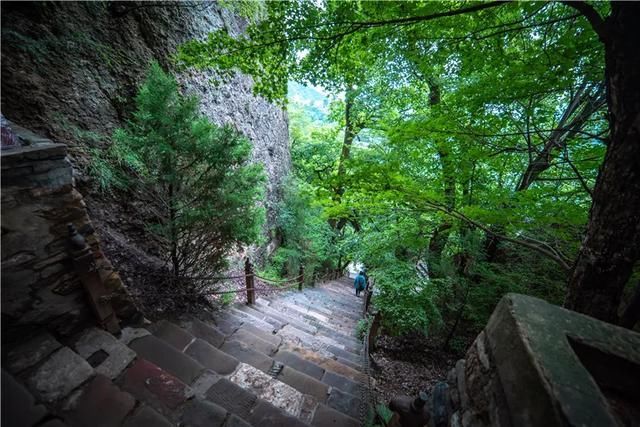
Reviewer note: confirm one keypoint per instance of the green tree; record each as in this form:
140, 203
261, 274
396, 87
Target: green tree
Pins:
193, 175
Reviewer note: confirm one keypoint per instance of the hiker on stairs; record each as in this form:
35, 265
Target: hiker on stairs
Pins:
359, 283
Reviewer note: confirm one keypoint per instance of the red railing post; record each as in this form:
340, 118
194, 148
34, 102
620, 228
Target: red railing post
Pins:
248, 271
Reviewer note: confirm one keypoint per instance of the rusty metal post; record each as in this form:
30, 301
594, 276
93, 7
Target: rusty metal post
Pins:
85, 267
301, 277
251, 293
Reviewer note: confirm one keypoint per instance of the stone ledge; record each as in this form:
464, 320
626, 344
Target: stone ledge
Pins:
544, 380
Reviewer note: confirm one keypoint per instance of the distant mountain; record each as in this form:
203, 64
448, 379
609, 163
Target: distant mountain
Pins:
314, 103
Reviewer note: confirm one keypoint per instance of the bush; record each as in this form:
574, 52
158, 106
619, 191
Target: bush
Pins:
192, 174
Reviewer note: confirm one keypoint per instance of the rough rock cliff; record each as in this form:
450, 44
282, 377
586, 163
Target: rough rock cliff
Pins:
70, 71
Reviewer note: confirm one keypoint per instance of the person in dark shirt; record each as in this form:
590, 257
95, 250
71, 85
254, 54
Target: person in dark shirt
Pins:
359, 283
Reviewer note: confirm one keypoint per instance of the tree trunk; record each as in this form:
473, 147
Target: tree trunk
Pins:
612, 242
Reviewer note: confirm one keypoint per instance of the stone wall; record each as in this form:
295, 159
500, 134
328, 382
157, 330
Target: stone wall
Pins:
39, 286
70, 71
538, 364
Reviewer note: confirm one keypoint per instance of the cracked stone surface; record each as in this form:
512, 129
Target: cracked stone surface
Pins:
60, 374
273, 391
119, 355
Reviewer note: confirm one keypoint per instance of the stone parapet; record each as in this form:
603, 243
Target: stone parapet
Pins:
538, 364
39, 286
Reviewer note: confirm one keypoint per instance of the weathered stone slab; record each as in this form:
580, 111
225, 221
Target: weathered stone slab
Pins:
550, 361
101, 404
30, 353
172, 334
59, 375
147, 417
212, 358
346, 403
283, 316
325, 416
247, 355
341, 352
327, 363
249, 311
254, 342
119, 356
304, 383
269, 337
200, 413
206, 332
149, 383
203, 383
232, 397
342, 383
18, 405
299, 364
269, 389
267, 415
167, 357
129, 334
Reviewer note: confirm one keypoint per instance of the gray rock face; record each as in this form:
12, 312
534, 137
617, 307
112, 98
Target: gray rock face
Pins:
71, 70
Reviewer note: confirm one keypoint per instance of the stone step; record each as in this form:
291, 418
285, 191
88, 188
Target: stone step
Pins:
342, 383
343, 326
19, 408
266, 313
211, 357
146, 417
172, 334
205, 331
254, 342
155, 387
291, 359
300, 381
167, 357
239, 316
246, 405
338, 300
199, 413
101, 403
325, 416
297, 318
272, 320
327, 363
335, 305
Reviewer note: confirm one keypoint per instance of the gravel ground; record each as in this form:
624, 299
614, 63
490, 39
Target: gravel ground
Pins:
408, 365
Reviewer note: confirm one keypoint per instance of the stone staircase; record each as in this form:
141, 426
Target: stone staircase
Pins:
289, 360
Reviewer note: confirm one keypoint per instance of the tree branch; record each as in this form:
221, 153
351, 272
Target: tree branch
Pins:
597, 23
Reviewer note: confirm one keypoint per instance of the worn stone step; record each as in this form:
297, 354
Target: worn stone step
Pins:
347, 355
344, 402
156, 387
253, 341
325, 416
244, 319
333, 300
172, 334
349, 363
205, 331
290, 313
250, 311
246, 405
350, 343
167, 357
343, 383
248, 355
19, 408
263, 307
101, 404
327, 363
288, 375
211, 357
146, 417
291, 359
290, 307
200, 413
